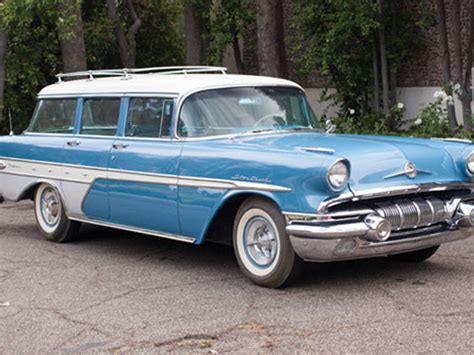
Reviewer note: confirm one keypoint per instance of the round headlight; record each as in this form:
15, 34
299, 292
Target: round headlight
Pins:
470, 164
338, 175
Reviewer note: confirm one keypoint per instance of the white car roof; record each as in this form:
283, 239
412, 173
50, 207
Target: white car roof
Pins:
172, 84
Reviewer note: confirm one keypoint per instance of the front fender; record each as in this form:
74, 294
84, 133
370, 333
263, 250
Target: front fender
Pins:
302, 174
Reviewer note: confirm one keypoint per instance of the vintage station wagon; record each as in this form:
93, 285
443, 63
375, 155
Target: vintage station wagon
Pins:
194, 154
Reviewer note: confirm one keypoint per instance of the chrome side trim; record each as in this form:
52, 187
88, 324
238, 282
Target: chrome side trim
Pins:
229, 184
133, 229
455, 140
317, 150
88, 174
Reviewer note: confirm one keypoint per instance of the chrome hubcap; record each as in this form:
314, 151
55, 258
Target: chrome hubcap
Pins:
261, 241
50, 206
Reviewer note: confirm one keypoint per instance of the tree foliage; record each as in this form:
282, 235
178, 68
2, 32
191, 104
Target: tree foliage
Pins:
34, 56
338, 38
229, 20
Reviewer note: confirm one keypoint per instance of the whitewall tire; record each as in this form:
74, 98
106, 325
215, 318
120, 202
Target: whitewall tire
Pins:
261, 245
51, 217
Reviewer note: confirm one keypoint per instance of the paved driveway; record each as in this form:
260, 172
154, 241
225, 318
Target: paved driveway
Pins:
117, 291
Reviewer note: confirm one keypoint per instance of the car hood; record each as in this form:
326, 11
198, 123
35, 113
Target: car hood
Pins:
375, 161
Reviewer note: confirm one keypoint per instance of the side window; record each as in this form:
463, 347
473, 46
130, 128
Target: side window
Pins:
149, 117
54, 116
100, 117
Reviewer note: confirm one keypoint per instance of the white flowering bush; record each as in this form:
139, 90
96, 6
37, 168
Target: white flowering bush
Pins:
433, 119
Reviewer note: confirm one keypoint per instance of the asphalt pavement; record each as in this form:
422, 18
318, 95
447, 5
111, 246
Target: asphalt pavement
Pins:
114, 291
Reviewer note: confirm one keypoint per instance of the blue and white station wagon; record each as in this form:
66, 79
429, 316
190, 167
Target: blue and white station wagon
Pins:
193, 154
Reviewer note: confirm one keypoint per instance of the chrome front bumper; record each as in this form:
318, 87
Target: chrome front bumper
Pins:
323, 240
348, 248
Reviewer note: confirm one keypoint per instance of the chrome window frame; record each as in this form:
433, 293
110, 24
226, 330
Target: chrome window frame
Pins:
122, 114
26, 132
160, 138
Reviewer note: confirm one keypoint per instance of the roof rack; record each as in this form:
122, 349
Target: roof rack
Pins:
126, 73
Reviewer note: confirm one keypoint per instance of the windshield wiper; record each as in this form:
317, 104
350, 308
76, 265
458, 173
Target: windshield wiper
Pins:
302, 128
273, 129
258, 130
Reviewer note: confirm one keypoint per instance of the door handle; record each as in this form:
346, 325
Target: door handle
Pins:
119, 145
73, 143
2, 165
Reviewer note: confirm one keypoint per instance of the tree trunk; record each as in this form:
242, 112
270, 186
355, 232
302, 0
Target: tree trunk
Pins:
3, 59
444, 44
132, 33
126, 42
196, 29
237, 55
73, 49
384, 67
375, 69
393, 87
466, 96
457, 42
270, 38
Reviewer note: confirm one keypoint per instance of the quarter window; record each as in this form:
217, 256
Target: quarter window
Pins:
149, 117
54, 116
100, 117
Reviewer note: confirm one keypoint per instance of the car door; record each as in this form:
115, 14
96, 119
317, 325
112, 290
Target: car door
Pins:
86, 157
142, 180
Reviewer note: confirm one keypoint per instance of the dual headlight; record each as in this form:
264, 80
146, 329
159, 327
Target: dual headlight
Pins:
338, 175
470, 164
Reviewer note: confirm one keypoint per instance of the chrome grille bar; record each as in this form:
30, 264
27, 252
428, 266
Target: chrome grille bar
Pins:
419, 212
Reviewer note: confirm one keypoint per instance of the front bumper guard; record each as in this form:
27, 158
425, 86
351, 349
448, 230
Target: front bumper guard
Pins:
323, 241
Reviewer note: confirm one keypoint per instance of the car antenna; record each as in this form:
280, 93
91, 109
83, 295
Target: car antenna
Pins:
10, 121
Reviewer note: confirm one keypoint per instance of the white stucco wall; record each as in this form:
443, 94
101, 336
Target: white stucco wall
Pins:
414, 99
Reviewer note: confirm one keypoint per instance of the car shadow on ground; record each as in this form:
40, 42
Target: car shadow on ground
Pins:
221, 258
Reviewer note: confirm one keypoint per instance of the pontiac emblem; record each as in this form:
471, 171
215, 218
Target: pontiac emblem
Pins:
410, 170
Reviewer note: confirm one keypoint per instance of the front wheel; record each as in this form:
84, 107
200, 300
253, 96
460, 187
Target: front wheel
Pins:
262, 247
415, 256
51, 217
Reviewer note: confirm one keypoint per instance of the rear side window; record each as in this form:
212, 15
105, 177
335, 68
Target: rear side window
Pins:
149, 117
54, 116
100, 117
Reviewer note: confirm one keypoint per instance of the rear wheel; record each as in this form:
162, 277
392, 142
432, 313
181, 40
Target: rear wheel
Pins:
51, 217
416, 256
262, 247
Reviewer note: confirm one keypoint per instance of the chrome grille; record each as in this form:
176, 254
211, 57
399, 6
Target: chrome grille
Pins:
419, 212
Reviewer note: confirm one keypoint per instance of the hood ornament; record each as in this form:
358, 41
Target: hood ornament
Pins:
409, 170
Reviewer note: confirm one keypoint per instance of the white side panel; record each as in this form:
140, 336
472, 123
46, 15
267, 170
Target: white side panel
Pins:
12, 186
74, 194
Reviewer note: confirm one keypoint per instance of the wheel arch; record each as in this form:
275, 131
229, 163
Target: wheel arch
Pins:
28, 192
220, 226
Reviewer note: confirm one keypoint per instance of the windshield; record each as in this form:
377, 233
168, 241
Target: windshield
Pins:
239, 110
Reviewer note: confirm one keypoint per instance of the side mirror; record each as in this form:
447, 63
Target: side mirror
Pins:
330, 126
